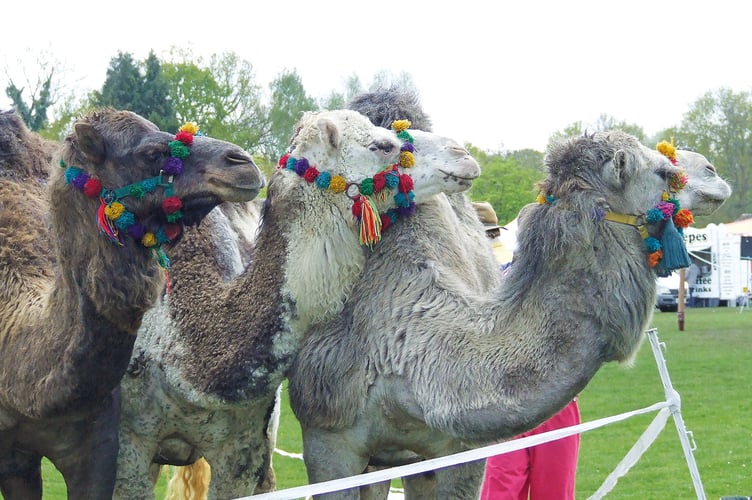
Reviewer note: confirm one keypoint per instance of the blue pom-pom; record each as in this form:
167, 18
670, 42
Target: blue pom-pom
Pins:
391, 180
126, 220
653, 215
323, 180
291, 163
149, 185
71, 173
652, 244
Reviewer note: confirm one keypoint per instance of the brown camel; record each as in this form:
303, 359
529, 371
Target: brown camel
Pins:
77, 273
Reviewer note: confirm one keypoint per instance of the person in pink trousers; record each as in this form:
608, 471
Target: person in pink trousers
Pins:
542, 472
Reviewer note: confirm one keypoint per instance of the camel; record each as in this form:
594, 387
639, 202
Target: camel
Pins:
80, 263
421, 361
202, 380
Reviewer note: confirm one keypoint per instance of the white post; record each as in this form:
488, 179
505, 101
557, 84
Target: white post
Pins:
675, 406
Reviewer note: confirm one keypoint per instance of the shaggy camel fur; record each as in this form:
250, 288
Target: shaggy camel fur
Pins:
72, 300
202, 381
433, 366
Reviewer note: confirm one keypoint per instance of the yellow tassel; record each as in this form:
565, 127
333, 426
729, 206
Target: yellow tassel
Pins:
370, 222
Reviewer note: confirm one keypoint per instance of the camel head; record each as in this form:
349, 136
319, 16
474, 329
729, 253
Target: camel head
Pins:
134, 167
705, 191
612, 168
355, 149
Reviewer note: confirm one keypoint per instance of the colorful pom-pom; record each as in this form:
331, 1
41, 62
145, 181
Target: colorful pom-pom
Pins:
171, 204
184, 137
667, 208
366, 187
291, 162
667, 149
683, 218
190, 127
282, 163
173, 231
149, 240
179, 150
406, 183
357, 208
391, 179
406, 159
541, 199
653, 216
311, 174
407, 147
652, 244
301, 166
379, 181
92, 188
173, 166
126, 220
71, 173
150, 184
400, 125
114, 210
136, 231
323, 180
80, 181
338, 184
654, 258
678, 181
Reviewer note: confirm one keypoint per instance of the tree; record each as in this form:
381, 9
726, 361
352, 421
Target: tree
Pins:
221, 95
719, 125
145, 93
37, 92
288, 103
505, 183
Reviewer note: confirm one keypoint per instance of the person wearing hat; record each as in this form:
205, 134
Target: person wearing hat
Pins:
540, 472
487, 216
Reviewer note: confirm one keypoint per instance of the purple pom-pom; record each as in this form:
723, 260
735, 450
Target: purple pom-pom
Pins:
80, 180
301, 166
136, 231
408, 147
408, 210
173, 166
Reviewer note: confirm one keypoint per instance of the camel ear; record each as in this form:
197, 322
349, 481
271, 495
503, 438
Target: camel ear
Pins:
90, 142
618, 168
329, 132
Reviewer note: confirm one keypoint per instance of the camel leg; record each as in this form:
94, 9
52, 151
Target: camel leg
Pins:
327, 458
420, 486
246, 460
89, 464
460, 481
21, 476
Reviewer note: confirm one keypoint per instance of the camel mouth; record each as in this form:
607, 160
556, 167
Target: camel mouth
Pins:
459, 179
196, 207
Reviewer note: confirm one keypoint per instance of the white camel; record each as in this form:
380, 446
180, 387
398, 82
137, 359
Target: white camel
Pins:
210, 356
419, 360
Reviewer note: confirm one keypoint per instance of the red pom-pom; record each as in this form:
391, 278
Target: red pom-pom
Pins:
282, 163
379, 181
357, 208
171, 204
92, 188
386, 221
184, 137
310, 174
172, 231
405, 183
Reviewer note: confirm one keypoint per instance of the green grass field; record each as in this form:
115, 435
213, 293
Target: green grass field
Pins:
709, 365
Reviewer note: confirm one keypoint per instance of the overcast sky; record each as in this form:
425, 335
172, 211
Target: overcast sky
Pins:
498, 74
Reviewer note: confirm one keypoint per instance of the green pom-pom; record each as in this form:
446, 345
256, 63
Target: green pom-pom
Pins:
137, 191
179, 150
366, 187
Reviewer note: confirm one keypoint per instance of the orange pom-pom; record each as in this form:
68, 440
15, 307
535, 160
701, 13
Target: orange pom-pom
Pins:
683, 218
655, 257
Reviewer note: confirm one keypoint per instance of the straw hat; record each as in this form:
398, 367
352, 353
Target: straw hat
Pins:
486, 214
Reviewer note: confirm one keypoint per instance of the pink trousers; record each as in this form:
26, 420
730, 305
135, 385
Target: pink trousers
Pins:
541, 472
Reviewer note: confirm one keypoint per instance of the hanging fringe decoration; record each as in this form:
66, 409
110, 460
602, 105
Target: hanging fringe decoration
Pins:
370, 222
675, 255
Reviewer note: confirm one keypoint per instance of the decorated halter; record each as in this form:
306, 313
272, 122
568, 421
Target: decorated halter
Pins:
113, 216
668, 252
370, 222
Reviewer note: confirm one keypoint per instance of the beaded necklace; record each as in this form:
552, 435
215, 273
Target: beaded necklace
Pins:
113, 216
370, 222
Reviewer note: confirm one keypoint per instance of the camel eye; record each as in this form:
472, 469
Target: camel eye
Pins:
386, 147
711, 169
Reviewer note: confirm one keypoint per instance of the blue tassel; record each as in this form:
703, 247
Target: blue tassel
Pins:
675, 254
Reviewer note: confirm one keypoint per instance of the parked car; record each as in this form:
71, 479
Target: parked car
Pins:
667, 299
